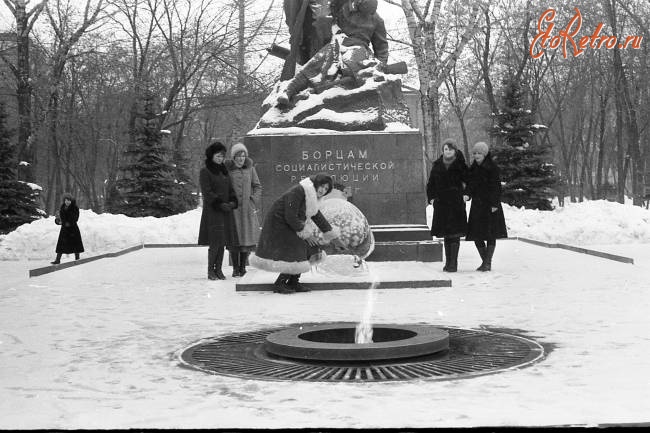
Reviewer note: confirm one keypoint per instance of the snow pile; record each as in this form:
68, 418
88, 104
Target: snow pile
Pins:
587, 223
101, 233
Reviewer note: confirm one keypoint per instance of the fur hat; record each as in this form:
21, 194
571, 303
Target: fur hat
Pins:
449, 142
236, 148
216, 147
481, 147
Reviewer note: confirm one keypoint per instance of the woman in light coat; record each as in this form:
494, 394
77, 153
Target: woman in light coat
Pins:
248, 190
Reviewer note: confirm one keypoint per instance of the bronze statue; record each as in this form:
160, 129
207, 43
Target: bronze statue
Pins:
345, 75
347, 59
310, 27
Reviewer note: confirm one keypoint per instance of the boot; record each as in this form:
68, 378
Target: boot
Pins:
297, 84
234, 258
212, 257
295, 284
281, 284
447, 253
243, 257
57, 260
76, 256
218, 261
481, 251
487, 265
454, 246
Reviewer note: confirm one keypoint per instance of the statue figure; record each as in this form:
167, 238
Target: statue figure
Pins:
310, 27
344, 82
348, 55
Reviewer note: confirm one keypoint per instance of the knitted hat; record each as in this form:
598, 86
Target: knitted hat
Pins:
481, 147
236, 148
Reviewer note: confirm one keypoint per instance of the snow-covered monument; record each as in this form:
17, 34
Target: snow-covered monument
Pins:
338, 108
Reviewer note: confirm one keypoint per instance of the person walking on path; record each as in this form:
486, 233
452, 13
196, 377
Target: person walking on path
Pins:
248, 190
69, 236
486, 221
286, 244
445, 190
217, 229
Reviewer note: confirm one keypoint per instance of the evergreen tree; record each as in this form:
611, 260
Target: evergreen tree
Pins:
18, 201
526, 165
148, 186
186, 195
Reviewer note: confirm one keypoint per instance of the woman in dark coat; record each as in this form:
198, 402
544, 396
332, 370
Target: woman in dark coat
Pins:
69, 236
217, 228
445, 190
486, 221
248, 189
286, 243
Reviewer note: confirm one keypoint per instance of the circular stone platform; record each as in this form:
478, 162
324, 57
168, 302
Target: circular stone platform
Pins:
471, 353
335, 342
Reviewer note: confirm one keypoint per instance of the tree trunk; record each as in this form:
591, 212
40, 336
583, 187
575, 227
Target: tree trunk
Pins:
241, 74
26, 150
601, 146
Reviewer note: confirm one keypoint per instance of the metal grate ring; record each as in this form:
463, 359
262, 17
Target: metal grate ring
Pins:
471, 353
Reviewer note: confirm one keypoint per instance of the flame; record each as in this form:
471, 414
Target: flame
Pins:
363, 331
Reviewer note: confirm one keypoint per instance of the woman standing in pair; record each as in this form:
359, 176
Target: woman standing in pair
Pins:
486, 222
217, 228
69, 236
248, 190
445, 192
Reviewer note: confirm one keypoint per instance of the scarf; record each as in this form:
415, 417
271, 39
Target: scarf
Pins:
216, 168
448, 161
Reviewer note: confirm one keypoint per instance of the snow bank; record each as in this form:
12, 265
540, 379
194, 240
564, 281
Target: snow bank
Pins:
587, 223
101, 233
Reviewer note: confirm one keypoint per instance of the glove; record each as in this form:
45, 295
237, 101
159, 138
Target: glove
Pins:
226, 207
338, 244
312, 240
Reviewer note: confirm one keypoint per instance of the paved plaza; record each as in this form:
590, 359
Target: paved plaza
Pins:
97, 345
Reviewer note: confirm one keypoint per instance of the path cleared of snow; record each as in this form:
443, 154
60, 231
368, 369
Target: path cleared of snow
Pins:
96, 346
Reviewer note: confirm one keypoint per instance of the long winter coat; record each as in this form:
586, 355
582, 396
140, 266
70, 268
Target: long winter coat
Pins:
217, 226
484, 189
69, 236
446, 188
282, 246
248, 190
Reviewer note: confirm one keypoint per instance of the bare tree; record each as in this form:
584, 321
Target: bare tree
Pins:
435, 54
24, 23
66, 35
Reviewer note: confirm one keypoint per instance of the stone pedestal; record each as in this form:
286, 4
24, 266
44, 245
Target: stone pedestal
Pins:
385, 170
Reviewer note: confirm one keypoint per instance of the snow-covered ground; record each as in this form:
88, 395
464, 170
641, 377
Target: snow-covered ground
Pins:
96, 345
